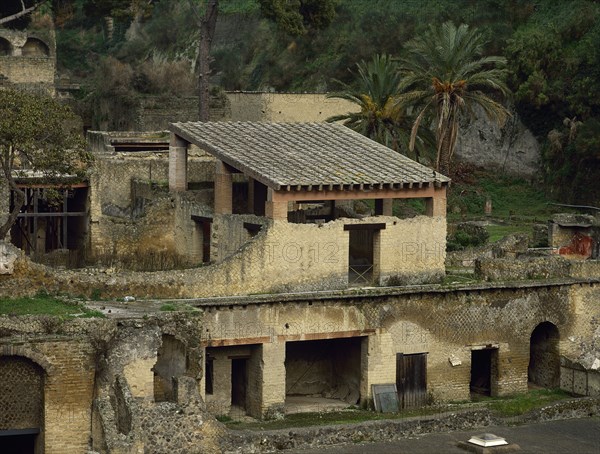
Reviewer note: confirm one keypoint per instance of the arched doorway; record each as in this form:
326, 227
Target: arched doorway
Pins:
21, 406
544, 359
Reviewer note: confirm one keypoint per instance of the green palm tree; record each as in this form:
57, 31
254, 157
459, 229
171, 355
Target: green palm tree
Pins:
446, 73
381, 117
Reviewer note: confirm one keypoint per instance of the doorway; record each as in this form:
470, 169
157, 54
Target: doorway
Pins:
239, 382
360, 257
484, 366
22, 441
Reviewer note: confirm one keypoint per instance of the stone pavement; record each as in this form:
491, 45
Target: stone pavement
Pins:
576, 436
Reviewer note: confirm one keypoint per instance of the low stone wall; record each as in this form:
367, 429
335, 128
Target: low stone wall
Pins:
389, 430
507, 269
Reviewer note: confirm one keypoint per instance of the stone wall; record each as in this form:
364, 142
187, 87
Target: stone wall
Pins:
132, 214
31, 58
114, 362
446, 324
68, 384
501, 269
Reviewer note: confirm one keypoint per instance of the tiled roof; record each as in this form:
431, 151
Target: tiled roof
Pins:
284, 155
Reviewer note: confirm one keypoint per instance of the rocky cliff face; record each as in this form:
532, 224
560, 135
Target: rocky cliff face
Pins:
511, 148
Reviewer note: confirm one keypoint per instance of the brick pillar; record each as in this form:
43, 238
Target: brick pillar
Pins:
436, 205
177, 164
276, 209
223, 189
377, 364
383, 207
272, 380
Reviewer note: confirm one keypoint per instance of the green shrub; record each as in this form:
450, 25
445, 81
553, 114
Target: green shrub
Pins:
467, 235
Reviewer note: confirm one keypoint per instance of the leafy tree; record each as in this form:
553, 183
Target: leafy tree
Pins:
293, 16
37, 134
296, 17
380, 118
14, 10
554, 64
446, 73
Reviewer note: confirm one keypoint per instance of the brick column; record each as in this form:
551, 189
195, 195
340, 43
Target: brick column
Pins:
436, 205
223, 189
272, 380
276, 209
177, 164
377, 364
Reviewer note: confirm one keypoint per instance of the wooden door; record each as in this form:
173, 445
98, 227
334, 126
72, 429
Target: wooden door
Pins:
411, 379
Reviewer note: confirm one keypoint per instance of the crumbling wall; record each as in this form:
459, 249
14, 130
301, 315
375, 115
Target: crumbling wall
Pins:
133, 218
501, 269
281, 258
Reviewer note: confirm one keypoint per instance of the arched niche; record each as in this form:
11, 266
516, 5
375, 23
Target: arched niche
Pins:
35, 47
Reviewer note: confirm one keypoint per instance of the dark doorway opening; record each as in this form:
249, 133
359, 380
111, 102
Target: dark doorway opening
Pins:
544, 359
206, 241
483, 371
202, 230
322, 374
209, 375
239, 382
22, 441
360, 257
411, 379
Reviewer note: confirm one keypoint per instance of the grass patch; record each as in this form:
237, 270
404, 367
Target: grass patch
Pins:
512, 198
497, 232
46, 305
503, 406
522, 403
171, 307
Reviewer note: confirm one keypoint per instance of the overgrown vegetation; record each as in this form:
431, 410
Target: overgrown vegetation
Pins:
43, 304
551, 50
523, 403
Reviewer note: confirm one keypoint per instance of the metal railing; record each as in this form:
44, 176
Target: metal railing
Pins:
360, 274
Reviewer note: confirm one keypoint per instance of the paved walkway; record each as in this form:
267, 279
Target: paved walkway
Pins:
573, 436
